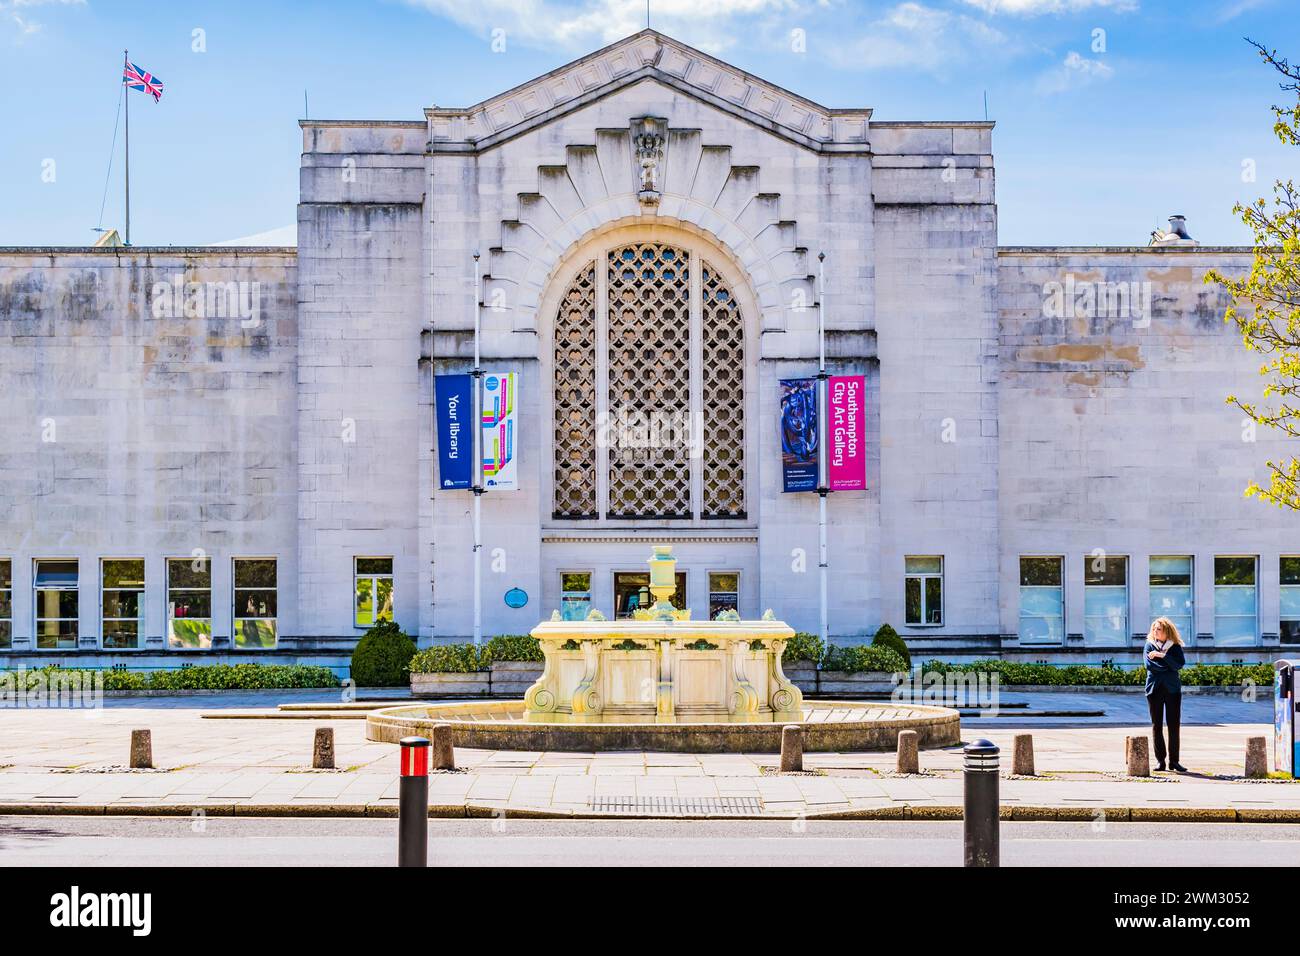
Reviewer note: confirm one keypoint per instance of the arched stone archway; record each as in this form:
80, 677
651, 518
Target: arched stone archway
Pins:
648, 347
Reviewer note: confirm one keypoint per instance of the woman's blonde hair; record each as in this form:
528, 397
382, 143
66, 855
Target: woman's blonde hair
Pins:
1167, 627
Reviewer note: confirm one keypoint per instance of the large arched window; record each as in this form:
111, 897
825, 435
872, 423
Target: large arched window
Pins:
649, 382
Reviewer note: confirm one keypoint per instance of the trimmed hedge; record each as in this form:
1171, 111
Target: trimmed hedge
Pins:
382, 658
205, 677
450, 659
1075, 675
466, 658
803, 647
515, 647
888, 637
861, 657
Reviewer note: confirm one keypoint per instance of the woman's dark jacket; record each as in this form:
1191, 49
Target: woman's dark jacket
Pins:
1163, 671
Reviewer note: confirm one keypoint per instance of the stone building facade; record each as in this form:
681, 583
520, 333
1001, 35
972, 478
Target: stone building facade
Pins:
231, 453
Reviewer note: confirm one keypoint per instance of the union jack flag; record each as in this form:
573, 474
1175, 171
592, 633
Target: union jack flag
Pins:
142, 80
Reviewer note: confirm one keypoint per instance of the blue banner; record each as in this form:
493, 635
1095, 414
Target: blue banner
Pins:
454, 419
799, 438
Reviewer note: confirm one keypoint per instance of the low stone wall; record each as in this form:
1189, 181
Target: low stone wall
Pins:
499, 725
503, 679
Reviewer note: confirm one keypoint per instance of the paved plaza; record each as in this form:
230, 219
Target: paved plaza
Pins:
239, 754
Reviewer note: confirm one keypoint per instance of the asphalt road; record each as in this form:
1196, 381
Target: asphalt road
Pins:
225, 841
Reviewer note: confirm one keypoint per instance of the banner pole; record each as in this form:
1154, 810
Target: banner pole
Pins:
477, 376
823, 478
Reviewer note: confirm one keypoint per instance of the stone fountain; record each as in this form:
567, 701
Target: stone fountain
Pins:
662, 682
662, 667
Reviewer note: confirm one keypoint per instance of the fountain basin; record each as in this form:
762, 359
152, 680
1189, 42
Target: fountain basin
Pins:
662, 672
829, 726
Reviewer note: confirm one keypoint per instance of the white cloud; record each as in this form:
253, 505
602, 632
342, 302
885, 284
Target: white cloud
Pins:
911, 35
1074, 72
1034, 8
581, 25
17, 13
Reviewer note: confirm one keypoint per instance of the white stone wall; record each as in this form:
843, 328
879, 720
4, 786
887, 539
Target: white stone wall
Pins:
361, 313
1114, 433
936, 268
127, 433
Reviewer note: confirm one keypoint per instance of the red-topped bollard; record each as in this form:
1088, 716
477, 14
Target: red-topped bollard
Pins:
413, 803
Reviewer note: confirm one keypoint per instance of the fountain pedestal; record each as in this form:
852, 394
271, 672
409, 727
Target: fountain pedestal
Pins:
662, 672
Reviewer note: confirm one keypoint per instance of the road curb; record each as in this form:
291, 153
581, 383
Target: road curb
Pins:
904, 812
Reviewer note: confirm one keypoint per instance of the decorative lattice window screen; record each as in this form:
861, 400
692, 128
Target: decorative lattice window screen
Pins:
650, 381
657, 330
724, 399
575, 399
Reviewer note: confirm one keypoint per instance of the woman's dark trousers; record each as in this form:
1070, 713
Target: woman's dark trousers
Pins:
1166, 708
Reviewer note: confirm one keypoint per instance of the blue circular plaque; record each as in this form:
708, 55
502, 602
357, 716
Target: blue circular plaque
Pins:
516, 597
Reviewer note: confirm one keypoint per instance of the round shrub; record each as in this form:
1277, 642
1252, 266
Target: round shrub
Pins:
888, 637
383, 657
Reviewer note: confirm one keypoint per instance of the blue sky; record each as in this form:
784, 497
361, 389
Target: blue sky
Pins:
1100, 136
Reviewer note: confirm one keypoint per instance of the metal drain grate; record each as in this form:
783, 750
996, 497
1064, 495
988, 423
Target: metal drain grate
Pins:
678, 806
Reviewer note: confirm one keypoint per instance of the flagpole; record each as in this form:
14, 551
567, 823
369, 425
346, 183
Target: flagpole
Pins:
126, 58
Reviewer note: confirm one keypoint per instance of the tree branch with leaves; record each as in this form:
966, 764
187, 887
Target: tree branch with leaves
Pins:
1265, 303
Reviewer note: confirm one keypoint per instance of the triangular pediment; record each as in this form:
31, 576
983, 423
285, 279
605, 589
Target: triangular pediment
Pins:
645, 55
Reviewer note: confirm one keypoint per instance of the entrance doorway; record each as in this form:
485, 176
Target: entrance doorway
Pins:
632, 592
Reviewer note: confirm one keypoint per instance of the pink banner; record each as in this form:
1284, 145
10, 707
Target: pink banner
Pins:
847, 424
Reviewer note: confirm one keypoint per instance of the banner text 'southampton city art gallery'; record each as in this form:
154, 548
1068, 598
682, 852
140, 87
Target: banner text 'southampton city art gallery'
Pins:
844, 443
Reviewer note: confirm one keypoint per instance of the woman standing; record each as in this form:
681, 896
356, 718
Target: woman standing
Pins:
1164, 659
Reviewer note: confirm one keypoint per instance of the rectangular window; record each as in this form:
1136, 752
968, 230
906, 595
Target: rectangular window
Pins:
54, 588
1042, 601
923, 591
1236, 606
1171, 592
1105, 599
122, 603
724, 592
6, 604
189, 603
1290, 623
373, 580
255, 603
632, 592
575, 595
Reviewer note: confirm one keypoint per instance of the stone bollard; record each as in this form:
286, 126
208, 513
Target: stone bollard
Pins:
1137, 756
322, 751
141, 749
1256, 757
909, 758
443, 757
1022, 755
791, 748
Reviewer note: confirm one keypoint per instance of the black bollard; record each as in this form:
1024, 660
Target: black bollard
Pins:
980, 812
413, 803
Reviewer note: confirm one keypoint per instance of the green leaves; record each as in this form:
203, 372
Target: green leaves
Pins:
1265, 303
382, 657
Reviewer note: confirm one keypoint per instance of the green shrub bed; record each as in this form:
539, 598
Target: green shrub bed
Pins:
205, 677
861, 657
1074, 675
803, 648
